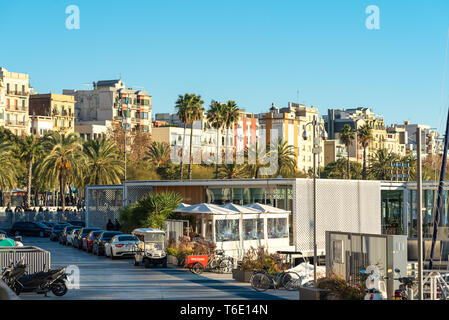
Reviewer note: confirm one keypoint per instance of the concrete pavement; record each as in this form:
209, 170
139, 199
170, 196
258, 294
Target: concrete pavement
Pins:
103, 278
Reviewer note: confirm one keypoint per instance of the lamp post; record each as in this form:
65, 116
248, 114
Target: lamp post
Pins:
316, 150
124, 124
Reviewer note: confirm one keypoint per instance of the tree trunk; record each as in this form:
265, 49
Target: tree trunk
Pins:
348, 165
226, 146
190, 152
182, 152
29, 176
61, 189
364, 164
218, 154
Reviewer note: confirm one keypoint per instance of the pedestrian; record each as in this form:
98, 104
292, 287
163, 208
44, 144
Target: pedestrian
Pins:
116, 225
109, 225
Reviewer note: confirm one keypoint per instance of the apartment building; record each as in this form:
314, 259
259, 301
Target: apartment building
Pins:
430, 138
396, 141
14, 101
55, 108
334, 150
109, 103
289, 124
336, 119
204, 143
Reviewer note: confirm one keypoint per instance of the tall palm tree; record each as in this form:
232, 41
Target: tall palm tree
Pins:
231, 115
381, 164
29, 148
195, 113
285, 158
64, 160
190, 109
182, 108
8, 172
365, 135
158, 153
215, 116
104, 164
347, 136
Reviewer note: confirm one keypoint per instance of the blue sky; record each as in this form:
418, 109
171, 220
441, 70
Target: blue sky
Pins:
254, 52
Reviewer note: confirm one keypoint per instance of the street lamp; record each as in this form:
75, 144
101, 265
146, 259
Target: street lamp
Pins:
124, 124
316, 150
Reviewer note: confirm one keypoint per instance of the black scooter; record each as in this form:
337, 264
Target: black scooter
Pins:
41, 282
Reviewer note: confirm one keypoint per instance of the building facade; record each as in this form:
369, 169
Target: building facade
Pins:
289, 124
110, 102
14, 101
58, 107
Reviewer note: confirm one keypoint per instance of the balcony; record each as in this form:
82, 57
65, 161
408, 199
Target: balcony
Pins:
15, 123
17, 93
16, 108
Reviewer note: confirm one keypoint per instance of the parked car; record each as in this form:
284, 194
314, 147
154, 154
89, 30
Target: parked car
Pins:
65, 232
121, 245
78, 223
99, 242
50, 224
88, 242
56, 231
71, 236
78, 240
30, 229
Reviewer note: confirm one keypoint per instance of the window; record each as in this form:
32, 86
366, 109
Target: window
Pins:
253, 229
277, 228
227, 230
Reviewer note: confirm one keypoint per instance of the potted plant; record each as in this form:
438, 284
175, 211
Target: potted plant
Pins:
255, 260
334, 288
171, 256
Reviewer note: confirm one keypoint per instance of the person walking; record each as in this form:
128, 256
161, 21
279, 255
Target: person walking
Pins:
110, 225
116, 225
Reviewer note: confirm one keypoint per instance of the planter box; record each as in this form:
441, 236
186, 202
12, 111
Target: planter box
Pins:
172, 260
241, 276
312, 294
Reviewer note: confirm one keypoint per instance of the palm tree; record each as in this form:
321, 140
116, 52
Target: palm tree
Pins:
182, 107
365, 135
103, 162
190, 110
232, 171
259, 157
285, 158
410, 160
158, 153
381, 164
347, 137
64, 160
29, 148
8, 171
215, 116
231, 115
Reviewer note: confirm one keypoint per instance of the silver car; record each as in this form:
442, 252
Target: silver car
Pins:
121, 245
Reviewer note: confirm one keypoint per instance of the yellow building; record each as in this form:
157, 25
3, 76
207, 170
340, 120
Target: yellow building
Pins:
289, 124
59, 107
14, 92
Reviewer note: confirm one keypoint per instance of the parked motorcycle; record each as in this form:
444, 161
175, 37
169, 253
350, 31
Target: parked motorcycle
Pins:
40, 282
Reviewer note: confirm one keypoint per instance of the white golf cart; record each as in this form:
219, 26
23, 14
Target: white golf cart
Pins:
151, 248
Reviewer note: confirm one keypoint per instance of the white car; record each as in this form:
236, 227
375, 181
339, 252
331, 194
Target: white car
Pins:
71, 236
121, 245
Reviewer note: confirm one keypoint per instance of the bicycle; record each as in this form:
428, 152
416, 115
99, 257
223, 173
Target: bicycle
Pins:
262, 280
219, 262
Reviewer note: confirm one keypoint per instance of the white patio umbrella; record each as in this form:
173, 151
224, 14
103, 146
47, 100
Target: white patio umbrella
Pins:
265, 208
206, 208
181, 206
240, 209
